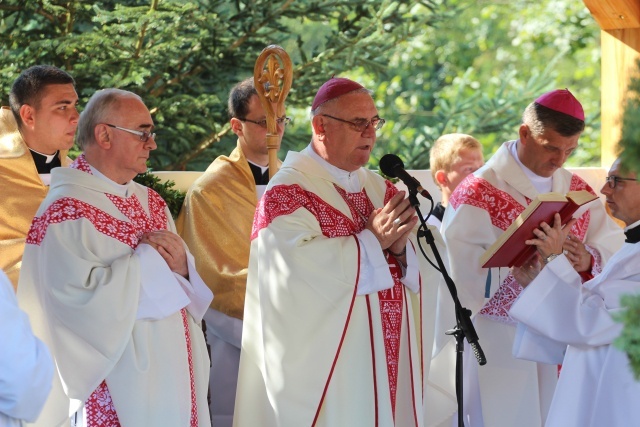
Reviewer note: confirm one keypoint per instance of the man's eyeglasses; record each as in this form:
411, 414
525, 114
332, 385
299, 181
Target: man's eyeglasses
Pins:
360, 125
284, 121
614, 180
144, 135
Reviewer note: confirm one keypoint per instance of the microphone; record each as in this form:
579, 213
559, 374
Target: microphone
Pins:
392, 166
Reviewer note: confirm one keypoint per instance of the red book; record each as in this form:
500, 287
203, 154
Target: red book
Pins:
510, 250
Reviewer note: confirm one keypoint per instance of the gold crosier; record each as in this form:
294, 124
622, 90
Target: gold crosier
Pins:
272, 85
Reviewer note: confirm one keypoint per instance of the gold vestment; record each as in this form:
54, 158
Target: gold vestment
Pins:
215, 222
21, 193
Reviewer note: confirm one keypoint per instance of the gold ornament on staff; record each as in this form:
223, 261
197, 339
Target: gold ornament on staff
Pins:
272, 85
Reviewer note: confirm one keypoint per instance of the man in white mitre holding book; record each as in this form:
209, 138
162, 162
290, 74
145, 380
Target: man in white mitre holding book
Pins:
507, 391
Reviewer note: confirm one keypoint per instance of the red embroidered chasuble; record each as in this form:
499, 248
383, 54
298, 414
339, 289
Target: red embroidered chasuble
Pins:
480, 193
286, 199
100, 410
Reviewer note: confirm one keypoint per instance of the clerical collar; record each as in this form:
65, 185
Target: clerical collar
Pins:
45, 162
260, 173
632, 233
123, 190
438, 211
350, 181
542, 184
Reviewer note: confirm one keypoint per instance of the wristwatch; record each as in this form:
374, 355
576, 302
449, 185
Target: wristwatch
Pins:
550, 258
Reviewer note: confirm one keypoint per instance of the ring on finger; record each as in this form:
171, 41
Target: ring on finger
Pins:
396, 222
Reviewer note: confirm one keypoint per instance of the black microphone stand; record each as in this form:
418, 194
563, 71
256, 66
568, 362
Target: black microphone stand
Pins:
464, 326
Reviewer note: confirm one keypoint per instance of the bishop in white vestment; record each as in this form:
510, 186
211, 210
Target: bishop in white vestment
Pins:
336, 327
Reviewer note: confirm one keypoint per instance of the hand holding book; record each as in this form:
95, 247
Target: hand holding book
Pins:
510, 249
549, 242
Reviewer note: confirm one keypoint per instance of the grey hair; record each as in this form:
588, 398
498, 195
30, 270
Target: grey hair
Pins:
538, 118
322, 107
100, 107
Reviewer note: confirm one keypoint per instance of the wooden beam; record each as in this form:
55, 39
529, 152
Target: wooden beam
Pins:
615, 14
620, 51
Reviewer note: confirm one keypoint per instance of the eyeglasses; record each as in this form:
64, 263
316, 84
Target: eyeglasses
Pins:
361, 125
144, 135
284, 120
614, 180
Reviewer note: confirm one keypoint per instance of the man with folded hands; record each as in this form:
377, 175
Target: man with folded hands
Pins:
111, 288
337, 308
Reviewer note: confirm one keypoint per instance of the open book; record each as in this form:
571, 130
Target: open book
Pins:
510, 250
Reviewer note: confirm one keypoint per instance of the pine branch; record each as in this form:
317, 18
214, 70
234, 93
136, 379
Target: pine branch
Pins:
200, 148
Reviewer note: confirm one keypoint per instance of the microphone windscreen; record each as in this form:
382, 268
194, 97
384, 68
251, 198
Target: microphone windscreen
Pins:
389, 163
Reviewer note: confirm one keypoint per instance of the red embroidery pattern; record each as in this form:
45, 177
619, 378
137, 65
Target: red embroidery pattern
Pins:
581, 226
390, 300
127, 232
69, 209
501, 206
359, 205
578, 183
132, 209
286, 199
597, 260
503, 209
391, 191
497, 308
194, 403
100, 409
391, 315
81, 164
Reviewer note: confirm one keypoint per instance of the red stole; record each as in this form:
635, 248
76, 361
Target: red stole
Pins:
390, 300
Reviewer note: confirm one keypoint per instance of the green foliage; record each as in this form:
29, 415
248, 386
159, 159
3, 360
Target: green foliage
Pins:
629, 339
435, 66
629, 144
182, 57
475, 70
171, 196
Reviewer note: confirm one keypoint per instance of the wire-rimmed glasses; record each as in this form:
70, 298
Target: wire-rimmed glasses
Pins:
144, 135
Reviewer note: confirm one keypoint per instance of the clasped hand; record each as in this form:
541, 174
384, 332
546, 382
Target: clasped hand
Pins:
170, 247
577, 253
392, 223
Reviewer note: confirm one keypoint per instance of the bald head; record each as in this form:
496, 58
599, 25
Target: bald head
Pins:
116, 134
101, 108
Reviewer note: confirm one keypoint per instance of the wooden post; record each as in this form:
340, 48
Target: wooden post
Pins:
620, 46
619, 55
